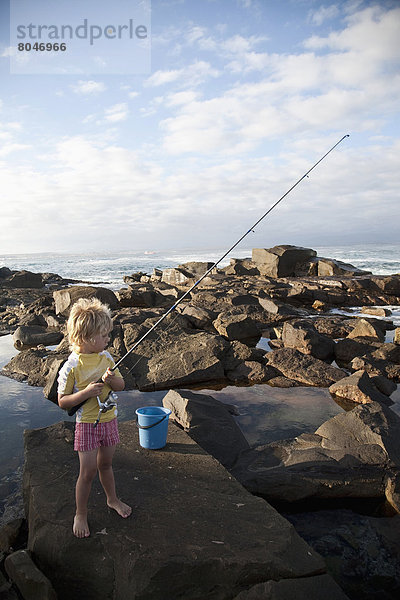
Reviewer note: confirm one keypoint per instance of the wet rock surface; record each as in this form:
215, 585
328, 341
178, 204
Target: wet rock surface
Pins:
194, 533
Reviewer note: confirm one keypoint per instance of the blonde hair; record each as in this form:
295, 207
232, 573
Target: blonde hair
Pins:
88, 317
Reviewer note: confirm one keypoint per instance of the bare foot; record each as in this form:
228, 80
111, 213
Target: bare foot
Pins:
121, 508
81, 527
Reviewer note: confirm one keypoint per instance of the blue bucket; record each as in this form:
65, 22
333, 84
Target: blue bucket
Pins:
153, 426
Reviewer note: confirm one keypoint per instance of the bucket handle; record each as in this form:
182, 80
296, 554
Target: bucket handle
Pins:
152, 425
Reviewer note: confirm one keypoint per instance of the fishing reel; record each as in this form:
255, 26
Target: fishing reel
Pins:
109, 403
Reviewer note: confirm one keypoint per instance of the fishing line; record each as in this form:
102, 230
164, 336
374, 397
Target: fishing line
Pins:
186, 294
226, 254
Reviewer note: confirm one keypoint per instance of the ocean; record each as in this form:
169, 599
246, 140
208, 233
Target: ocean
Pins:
110, 268
265, 413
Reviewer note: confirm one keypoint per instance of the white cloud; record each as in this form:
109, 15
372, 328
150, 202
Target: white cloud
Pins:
118, 112
180, 98
246, 3
324, 13
371, 32
238, 44
162, 77
240, 51
193, 74
9, 137
9, 51
89, 87
123, 201
356, 84
194, 34
6, 149
249, 61
89, 119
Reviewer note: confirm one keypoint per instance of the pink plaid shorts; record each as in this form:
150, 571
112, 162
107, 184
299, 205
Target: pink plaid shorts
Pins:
88, 437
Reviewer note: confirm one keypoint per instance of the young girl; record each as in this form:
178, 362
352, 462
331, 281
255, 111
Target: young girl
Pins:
89, 327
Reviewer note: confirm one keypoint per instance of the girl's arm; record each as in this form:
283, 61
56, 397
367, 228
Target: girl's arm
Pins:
67, 401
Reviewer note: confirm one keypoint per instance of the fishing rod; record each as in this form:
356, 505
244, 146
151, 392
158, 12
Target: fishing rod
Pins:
109, 404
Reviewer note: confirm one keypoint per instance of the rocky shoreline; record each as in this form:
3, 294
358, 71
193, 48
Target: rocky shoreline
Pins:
285, 294
211, 338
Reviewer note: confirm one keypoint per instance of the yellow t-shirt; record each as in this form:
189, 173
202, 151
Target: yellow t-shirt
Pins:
77, 372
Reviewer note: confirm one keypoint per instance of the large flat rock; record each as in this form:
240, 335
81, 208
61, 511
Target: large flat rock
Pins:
195, 533
355, 454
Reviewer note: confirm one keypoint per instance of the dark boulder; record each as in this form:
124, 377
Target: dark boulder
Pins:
334, 327
30, 581
251, 372
134, 277
28, 365
305, 369
349, 348
186, 358
389, 352
24, 279
33, 319
281, 261
389, 284
64, 299
383, 384
237, 325
31, 336
376, 366
177, 276
302, 335
10, 534
274, 307
209, 422
5, 272
359, 388
201, 318
241, 266
368, 329
197, 269
328, 267
143, 297
237, 353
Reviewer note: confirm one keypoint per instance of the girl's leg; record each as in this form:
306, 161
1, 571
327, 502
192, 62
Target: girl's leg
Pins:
106, 475
88, 468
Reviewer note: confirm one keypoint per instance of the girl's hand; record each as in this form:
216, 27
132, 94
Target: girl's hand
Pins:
94, 389
108, 377
114, 380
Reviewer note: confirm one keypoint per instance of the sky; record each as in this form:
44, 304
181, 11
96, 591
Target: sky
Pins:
239, 99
